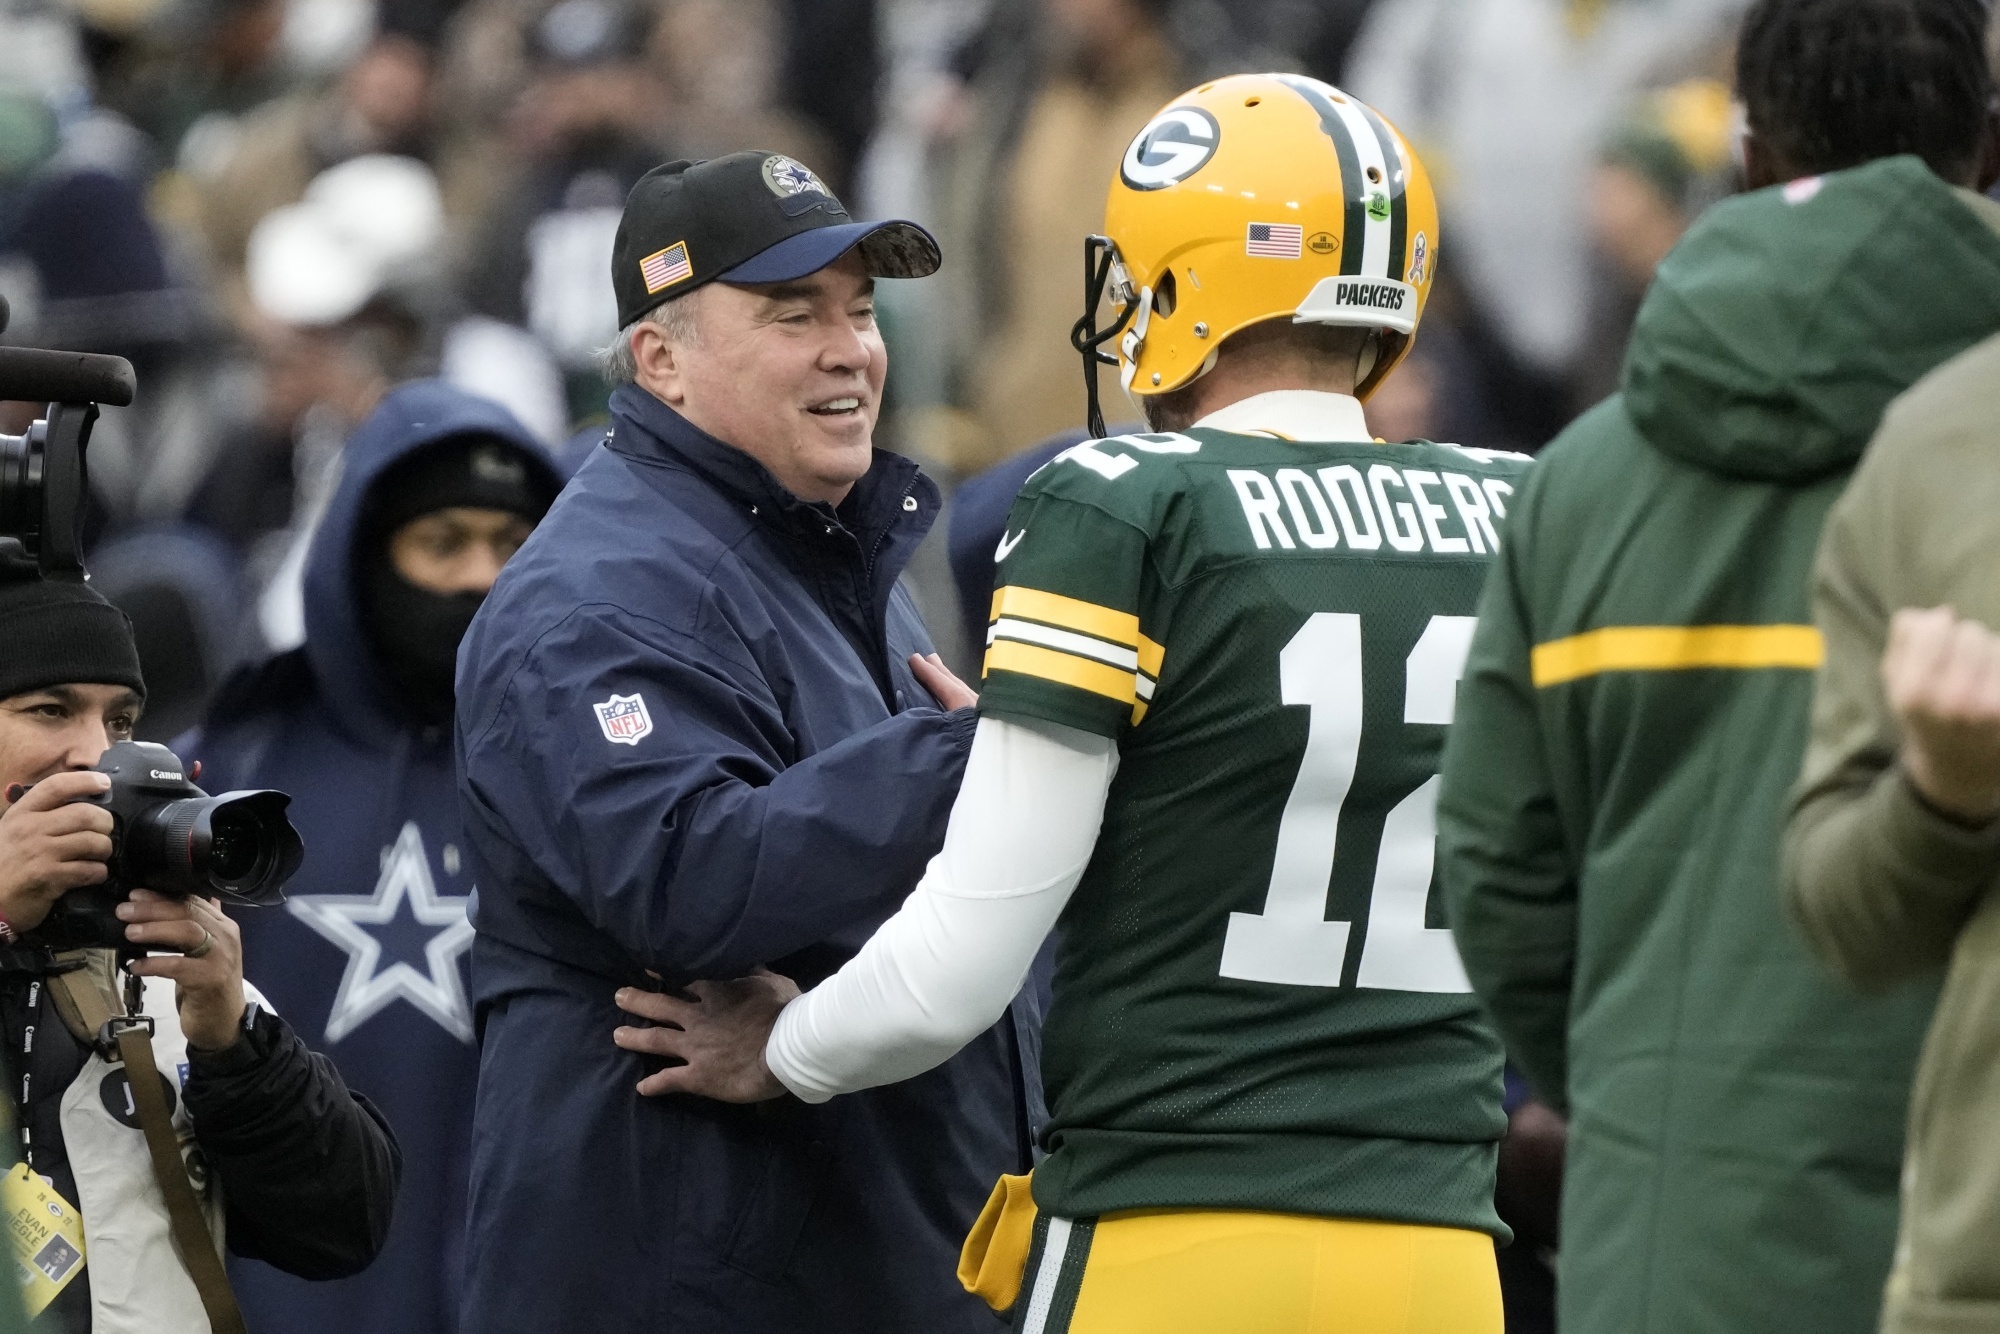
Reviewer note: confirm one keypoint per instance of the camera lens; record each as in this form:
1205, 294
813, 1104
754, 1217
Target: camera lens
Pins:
238, 845
232, 847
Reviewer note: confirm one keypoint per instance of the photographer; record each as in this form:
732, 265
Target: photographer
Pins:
301, 1171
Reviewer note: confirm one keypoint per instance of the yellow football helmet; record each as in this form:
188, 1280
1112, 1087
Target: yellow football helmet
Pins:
1257, 197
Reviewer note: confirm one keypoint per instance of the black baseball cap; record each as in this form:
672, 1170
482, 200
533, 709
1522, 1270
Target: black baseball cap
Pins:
750, 217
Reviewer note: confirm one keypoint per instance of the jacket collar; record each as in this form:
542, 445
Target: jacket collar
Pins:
1293, 414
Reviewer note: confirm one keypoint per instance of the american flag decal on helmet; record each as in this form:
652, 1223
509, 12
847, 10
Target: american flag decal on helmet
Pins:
1274, 240
664, 268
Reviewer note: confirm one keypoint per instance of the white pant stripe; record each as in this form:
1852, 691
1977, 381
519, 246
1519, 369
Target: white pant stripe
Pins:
1043, 1291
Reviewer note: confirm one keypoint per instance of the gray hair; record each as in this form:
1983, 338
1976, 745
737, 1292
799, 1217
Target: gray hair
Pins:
674, 317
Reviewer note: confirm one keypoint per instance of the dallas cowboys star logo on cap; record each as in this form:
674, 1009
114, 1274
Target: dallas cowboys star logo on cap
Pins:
434, 930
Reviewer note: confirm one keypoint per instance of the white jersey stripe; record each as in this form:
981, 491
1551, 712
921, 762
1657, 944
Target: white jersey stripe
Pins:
1067, 640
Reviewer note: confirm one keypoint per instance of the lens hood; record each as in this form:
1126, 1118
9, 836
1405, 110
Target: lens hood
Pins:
245, 846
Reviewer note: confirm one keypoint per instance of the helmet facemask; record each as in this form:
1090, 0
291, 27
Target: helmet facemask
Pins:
1104, 275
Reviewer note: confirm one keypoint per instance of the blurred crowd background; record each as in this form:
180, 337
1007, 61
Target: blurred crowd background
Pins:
279, 209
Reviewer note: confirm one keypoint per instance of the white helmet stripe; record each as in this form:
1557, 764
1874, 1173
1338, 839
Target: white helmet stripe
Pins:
1368, 149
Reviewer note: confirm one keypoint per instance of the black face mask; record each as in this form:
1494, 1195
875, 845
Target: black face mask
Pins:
416, 634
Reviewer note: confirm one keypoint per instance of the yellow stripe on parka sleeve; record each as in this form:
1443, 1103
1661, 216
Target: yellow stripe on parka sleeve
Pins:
1653, 648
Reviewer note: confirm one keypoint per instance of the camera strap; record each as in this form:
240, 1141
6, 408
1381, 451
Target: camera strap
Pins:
90, 996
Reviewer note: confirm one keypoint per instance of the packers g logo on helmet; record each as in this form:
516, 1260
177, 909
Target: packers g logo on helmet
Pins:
1251, 198
1174, 146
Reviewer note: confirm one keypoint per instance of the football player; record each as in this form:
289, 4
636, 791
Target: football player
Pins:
1222, 658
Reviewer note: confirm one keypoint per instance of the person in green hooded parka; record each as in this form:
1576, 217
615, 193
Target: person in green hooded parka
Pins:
1635, 705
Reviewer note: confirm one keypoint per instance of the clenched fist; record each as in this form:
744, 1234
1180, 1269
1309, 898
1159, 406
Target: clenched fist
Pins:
1942, 676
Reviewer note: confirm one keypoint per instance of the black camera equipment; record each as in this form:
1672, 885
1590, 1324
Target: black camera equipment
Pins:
171, 837
43, 479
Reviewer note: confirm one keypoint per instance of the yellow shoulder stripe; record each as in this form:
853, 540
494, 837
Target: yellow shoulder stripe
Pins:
1655, 648
1151, 655
1120, 627
1008, 655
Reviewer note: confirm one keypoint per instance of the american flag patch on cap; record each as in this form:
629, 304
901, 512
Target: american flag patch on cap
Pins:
1274, 240
664, 268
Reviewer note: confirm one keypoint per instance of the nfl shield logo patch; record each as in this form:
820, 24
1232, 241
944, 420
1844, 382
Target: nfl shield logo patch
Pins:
624, 719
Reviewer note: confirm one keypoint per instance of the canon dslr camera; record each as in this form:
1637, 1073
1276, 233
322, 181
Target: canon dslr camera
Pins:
171, 837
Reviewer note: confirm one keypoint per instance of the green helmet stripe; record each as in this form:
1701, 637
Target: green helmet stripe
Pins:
1353, 189
1399, 179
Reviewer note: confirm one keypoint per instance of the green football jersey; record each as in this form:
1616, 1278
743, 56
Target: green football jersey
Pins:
1256, 1005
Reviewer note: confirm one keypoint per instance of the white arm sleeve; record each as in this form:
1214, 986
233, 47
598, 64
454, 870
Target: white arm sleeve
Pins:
945, 967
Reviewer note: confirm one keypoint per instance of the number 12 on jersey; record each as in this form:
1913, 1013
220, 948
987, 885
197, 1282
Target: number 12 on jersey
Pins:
1291, 942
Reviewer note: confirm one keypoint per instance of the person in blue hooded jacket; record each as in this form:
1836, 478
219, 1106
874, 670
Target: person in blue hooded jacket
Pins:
698, 733
367, 956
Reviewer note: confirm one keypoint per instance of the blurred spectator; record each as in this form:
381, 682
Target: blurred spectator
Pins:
1510, 102
84, 269
332, 332
88, 269
722, 60
1894, 847
170, 67
830, 75
1667, 161
381, 104
440, 488
586, 125
1055, 94
344, 289
614, 88
184, 592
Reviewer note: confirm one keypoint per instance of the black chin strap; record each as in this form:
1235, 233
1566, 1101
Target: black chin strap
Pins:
1098, 256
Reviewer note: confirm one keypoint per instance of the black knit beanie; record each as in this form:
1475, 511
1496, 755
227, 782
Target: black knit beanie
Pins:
475, 471
414, 631
57, 633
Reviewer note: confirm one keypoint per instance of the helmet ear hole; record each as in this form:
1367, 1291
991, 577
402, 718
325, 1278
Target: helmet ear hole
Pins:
1166, 294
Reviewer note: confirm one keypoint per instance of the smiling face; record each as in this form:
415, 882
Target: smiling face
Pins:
790, 373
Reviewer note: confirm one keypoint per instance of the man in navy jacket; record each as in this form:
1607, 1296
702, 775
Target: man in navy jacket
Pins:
696, 737
367, 957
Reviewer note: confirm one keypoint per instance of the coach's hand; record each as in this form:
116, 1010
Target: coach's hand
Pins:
934, 676
720, 1035
1942, 678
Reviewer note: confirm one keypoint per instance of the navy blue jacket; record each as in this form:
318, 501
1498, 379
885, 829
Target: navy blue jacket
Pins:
979, 510
367, 957
689, 745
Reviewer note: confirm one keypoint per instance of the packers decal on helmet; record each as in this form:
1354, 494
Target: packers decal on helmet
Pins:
1251, 198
